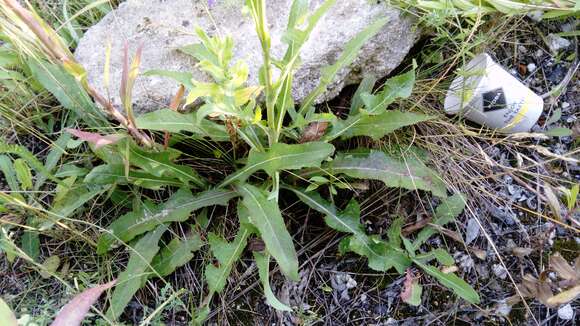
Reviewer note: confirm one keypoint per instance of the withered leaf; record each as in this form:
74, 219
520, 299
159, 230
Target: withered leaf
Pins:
564, 297
559, 265
521, 252
314, 131
94, 138
74, 312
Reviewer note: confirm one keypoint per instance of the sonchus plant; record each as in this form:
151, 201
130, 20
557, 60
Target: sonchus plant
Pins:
291, 152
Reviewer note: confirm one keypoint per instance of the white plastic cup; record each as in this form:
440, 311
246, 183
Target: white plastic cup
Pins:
490, 96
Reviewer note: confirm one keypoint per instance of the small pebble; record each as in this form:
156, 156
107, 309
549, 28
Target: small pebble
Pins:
351, 283
499, 271
565, 105
363, 297
539, 53
556, 43
566, 312
531, 67
503, 308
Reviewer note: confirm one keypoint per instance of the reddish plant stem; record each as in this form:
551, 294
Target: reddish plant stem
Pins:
57, 52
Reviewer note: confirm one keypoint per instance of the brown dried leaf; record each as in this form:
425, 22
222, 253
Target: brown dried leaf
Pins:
564, 297
540, 289
521, 252
481, 254
449, 269
559, 265
176, 100
544, 293
96, 139
416, 226
528, 286
74, 312
553, 201
314, 131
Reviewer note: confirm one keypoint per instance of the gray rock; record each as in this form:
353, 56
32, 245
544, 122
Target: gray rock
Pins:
499, 271
566, 312
472, 231
164, 26
556, 43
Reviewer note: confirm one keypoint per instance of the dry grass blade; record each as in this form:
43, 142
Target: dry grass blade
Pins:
53, 48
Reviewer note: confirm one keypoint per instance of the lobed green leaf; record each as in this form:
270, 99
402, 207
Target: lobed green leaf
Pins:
410, 173
175, 254
171, 121
381, 256
176, 209
227, 254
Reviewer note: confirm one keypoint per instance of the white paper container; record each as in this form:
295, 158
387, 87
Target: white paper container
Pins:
489, 95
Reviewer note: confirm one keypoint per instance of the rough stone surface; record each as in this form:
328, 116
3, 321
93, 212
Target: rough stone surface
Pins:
164, 26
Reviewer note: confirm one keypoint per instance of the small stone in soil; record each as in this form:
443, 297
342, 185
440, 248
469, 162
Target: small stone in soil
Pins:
503, 308
556, 43
531, 67
472, 231
499, 271
566, 312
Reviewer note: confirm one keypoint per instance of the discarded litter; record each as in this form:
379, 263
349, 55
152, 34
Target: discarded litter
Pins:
487, 94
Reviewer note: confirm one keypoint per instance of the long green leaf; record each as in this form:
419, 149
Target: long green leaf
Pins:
374, 126
263, 263
226, 254
453, 282
70, 204
266, 217
160, 165
30, 243
449, 209
409, 174
175, 254
7, 168
107, 174
346, 58
169, 120
68, 92
381, 256
283, 157
23, 174
439, 254
176, 209
131, 279
400, 86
